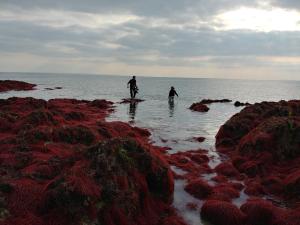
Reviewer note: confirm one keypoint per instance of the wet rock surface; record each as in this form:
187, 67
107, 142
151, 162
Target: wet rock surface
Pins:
13, 85
199, 107
238, 104
62, 163
210, 101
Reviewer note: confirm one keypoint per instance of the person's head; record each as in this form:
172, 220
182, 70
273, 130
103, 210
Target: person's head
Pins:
172, 88
133, 77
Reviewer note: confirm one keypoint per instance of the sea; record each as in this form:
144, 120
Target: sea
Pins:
172, 125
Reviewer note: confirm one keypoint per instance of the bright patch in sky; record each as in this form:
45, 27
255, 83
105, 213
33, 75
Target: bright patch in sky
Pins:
274, 19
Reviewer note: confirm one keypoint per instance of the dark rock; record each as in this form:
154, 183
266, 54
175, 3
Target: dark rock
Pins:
209, 101
238, 104
199, 107
13, 85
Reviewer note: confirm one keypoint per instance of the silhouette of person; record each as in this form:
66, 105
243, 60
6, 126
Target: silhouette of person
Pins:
133, 87
172, 93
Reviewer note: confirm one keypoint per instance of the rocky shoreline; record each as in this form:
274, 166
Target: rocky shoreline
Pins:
263, 149
62, 163
260, 157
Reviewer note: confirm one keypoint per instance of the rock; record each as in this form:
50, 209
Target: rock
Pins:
227, 169
199, 107
277, 135
13, 85
51, 89
238, 104
263, 143
198, 188
292, 183
199, 139
222, 213
227, 190
263, 126
260, 212
62, 163
209, 101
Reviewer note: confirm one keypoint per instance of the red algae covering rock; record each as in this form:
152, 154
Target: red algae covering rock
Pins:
260, 212
222, 213
263, 145
193, 163
199, 107
227, 169
198, 188
61, 163
292, 183
13, 85
209, 101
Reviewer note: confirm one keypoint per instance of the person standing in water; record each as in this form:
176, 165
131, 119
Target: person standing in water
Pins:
133, 87
172, 93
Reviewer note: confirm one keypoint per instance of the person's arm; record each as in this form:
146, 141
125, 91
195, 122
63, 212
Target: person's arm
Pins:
176, 94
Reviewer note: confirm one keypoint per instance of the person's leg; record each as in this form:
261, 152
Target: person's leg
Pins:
131, 93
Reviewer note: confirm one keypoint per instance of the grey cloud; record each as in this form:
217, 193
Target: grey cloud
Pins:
175, 43
292, 4
156, 8
160, 42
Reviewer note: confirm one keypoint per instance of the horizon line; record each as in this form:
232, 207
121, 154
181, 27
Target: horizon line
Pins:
143, 75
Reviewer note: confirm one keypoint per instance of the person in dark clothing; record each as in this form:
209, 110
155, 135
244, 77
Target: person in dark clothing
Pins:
172, 93
133, 87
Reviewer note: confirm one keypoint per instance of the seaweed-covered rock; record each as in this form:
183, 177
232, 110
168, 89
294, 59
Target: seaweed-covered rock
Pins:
260, 212
263, 143
209, 101
62, 163
222, 213
292, 183
199, 107
198, 188
13, 85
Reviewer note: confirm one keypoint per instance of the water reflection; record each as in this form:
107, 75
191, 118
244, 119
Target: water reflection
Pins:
132, 110
171, 106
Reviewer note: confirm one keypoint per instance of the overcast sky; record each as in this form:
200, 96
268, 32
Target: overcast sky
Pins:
190, 38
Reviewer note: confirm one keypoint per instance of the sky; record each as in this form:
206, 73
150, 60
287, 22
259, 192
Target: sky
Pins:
243, 39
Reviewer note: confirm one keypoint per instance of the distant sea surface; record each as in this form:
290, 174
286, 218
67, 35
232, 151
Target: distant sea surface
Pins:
171, 125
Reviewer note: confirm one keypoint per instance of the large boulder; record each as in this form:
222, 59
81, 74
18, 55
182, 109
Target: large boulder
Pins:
263, 143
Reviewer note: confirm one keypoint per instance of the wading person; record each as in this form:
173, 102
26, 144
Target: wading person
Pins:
133, 87
172, 93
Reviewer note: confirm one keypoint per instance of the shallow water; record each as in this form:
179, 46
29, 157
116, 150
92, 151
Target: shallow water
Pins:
171, 125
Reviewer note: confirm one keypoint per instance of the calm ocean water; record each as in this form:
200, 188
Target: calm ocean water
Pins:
173, 126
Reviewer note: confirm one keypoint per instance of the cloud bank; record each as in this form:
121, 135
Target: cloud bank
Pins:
221, 38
